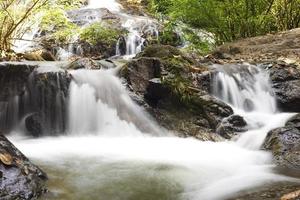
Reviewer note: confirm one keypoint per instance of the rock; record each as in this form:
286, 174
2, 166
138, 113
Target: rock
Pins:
106, 64
138, 73
288, 95
33, 56
284, 143
84, 63
156, 91
231, 126
213, 109
20, 179
83, 17
25, 89
47, 56
39, 55
174, 93
33, 125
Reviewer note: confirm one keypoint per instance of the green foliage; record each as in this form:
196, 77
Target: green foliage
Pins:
169, 35
56, 22
232, 19
97, 33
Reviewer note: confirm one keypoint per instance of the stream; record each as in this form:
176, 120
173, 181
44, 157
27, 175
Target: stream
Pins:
113, 150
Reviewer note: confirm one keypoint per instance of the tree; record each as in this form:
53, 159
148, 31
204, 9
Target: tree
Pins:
14, 18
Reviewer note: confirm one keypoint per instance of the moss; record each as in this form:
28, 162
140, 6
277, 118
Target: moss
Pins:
96, 33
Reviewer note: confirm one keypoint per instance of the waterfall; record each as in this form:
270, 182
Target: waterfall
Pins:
248, 90
117, 142
245, 87
99, 101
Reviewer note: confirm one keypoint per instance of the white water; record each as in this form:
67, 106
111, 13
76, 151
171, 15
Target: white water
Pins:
106, 127
138, 27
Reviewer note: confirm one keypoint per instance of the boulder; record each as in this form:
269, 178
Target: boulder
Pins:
39, 55
286, 84
231, 126
84, 63
138, 72
174, 93
20, 179
284, 143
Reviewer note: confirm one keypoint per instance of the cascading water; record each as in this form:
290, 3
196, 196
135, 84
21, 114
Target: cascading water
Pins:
111, 152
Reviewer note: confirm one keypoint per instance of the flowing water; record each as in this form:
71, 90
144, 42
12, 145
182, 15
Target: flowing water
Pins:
113, 150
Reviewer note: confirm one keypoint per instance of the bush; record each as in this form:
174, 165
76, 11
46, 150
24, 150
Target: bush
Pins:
97, 33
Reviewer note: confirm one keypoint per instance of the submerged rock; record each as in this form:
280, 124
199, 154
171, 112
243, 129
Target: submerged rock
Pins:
284, 143
20, 179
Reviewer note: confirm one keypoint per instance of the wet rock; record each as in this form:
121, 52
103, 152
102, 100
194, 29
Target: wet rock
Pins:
33, 125
231, 126
138, 73
20, 179
174, 93
284, 143
25, 89
48, 94
84, 63
156, 91
286, 83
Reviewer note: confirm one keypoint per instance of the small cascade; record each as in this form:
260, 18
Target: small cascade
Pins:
248, 90
99, 101
245, 87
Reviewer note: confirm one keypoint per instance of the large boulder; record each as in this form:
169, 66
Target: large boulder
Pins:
19, 178
175, 93
284, 143
286, 83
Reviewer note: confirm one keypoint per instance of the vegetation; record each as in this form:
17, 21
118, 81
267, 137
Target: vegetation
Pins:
96, 32
232, 19
14, 19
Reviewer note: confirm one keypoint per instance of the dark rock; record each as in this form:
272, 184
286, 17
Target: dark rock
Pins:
156, 91
294, 122
84, 63
33, 125
24, 90
288, 95
286, 83
213, 109
47, 55
174, 93
284, 143
122, 45
138, 73
231, 126
20, 179
48, 94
